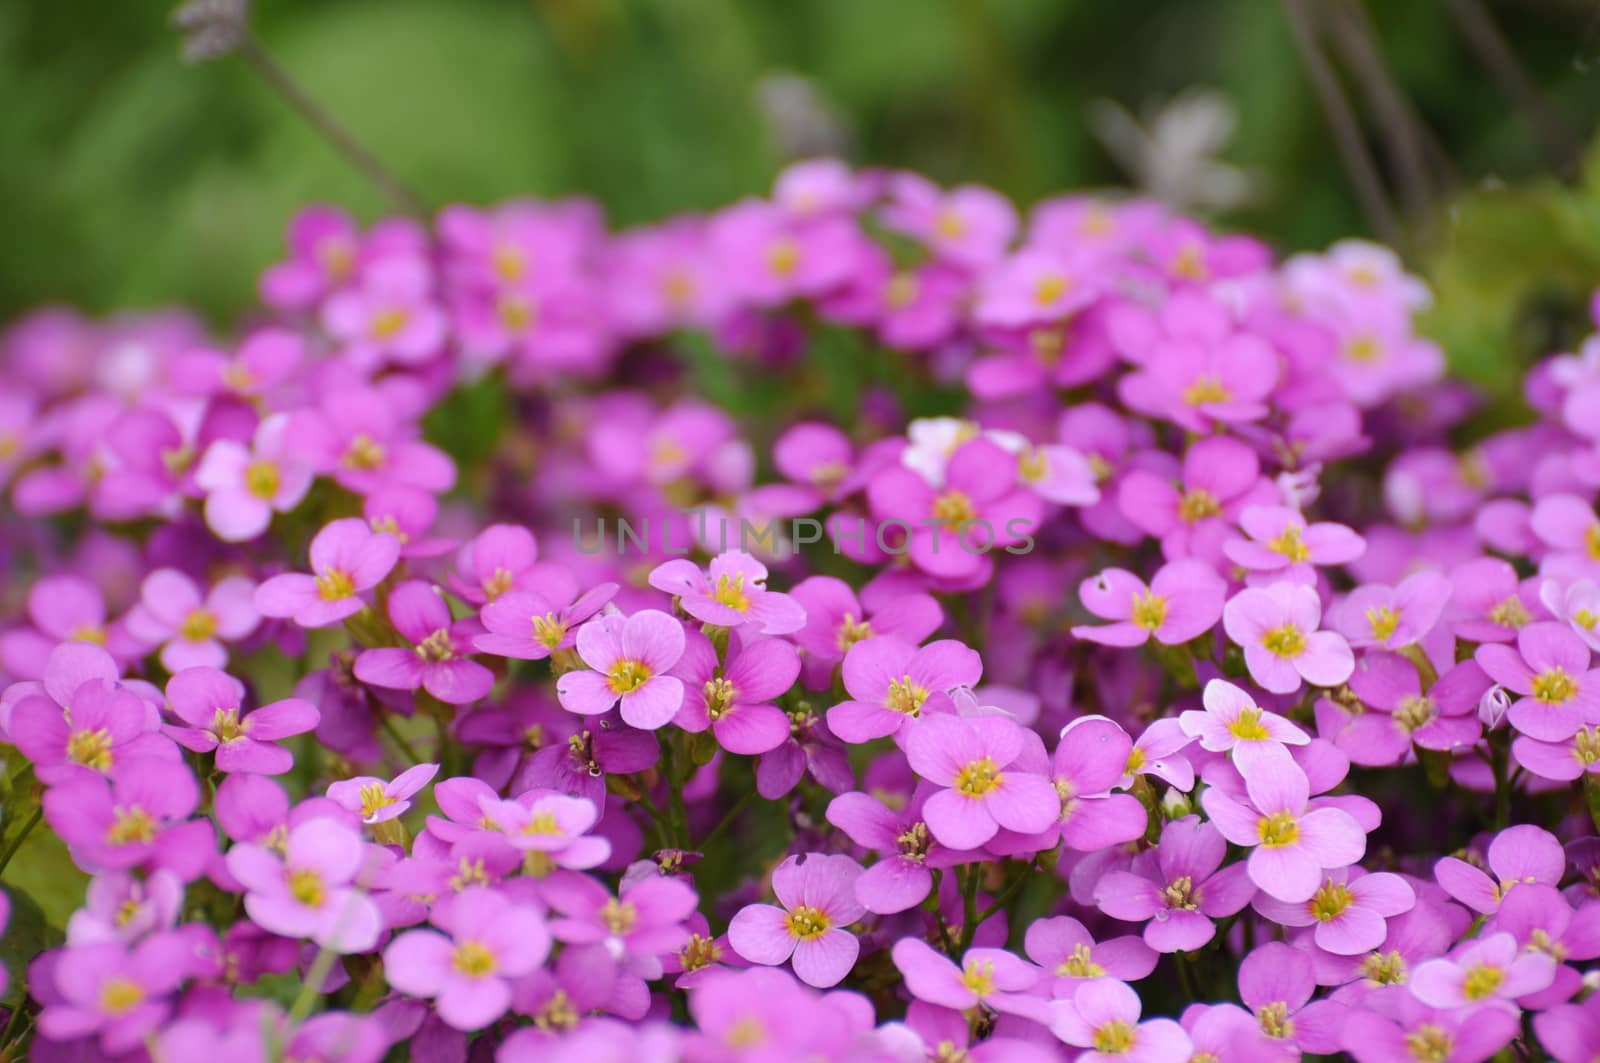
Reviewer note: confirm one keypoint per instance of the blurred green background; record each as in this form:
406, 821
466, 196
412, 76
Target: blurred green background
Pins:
131, 179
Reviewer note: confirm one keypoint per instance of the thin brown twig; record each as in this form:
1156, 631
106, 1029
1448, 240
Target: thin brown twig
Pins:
1353, 151
332, 130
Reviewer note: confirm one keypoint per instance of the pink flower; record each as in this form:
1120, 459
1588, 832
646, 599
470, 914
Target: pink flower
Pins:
347, 558
437, 658
732, 593
1571, 1032
1276, 982
817, 893
970, 225
1070, 955
244, 487
1178, 888
97, 725
1192, 518
1392, 617
501, 558
891, 683
993, 978
1091, 758
1490, 968
637, 927
1578, 604
901, 878
117, 994
630, 658
1277, 628
1103, 1018
1202, 378
308, 891
211, 703
1569, 527
734, 700
532, 625
323, 247
389, 316
264, 361
1291, 844
1550, 669
189, 629
375, 800
1233, 723
553, 826
1281, 541
836, 621
356, 437
1034, 287
489, 940
983, 789
1520, 854
1183, 602
139, 817
770, 257
1348, 910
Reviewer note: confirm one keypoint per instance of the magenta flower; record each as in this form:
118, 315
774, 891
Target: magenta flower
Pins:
116, 994
357, 438
641, 924
836, 621
308, 891
1348, 910
1277, 628
501, 558
1542, 920
189, 629
1201, 381
1280, 541
1033, 287
65, 609
1392, 617
983, 788
992, 978
1578, 604
488, 940
1178, 888
1192, 518
1091, 758
1550, 669
1290, 844
389, 316
731, 593
901, 878
265, 360
1520, 854
892, 683
1443, 718
1571, 1032
1452, 1035
532, 625
1569, 527
1103, 1018
119, 906
245, 486
1069, 954
631, 658
734, 700
211, 703
770, 257
1183, 602
437, 660
1276, 982
553, 825
377, 801
138, 818
818, 896
1490, 604
323, 247
347, 558
1233, 723
951, 529
1487, 969
970, 225
100, 725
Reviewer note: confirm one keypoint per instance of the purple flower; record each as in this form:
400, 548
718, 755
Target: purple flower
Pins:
357, 438
532, 625
308, 891
1486, 969
630, 658
992, 978
211, 703
1451, 1035
892, 683
1192, 518
98, 725
112, 992
901, 878
1348, 910
1444, 718
347, 557
818, 896
245, 486
501, 558
1177, 889
1280, 541
836, 620
1103, 1018
191, 630
1392, 617
731, 593
641, 924
550, 829
389, 316
376, 801
1091, 758
1571, 1032
734, 700
489, 940
983, 788
1183, 602
1276, 982
122, 907
1291, 844
1550, 669
437, 660
139, 817
1233, 723
1520, 854
1070, 955
1277, 628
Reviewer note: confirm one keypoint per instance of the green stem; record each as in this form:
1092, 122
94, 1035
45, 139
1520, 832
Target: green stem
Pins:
387, 723
727, 821
1010, 891
22, 836
969, 905
318, 974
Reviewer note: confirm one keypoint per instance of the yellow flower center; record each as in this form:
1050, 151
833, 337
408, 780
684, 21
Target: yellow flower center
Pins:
905, 697
1290, 545
1415, 711
509, 263
558, 1013
198, 626
225, 724
1197, 505
1180, 894
699, 953
1247, 726
949, 224
542, 825
374, 799
1149, 610
1554, 686
1481, 981
1384, 968
746, 1033
1540, 941
437, 647
365, 453
1363, 347
978, 778
1511, 613
978, 977
1136, 760
730, 592
91, 748
627, 676
913, 842
386, 324
901, 291
807, 923
473, 959
1591, 540
261, 478
119, 995
305, 886
1189, 264
1329, 902
1115, 1038
335, 584
1382, 619
1585, 619
1050, 288
953, 509
1205, 389
1080, 964
1586, 745
1285, 641
1275, 1021
618, 916
517, 312
549, 630
1278, 830
130, 826
469, 873
852, 631
783, 257
1033, 465
88, 633
719, 696
1430, 1044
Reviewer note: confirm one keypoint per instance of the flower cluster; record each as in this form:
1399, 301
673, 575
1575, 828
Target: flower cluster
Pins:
1080, 637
